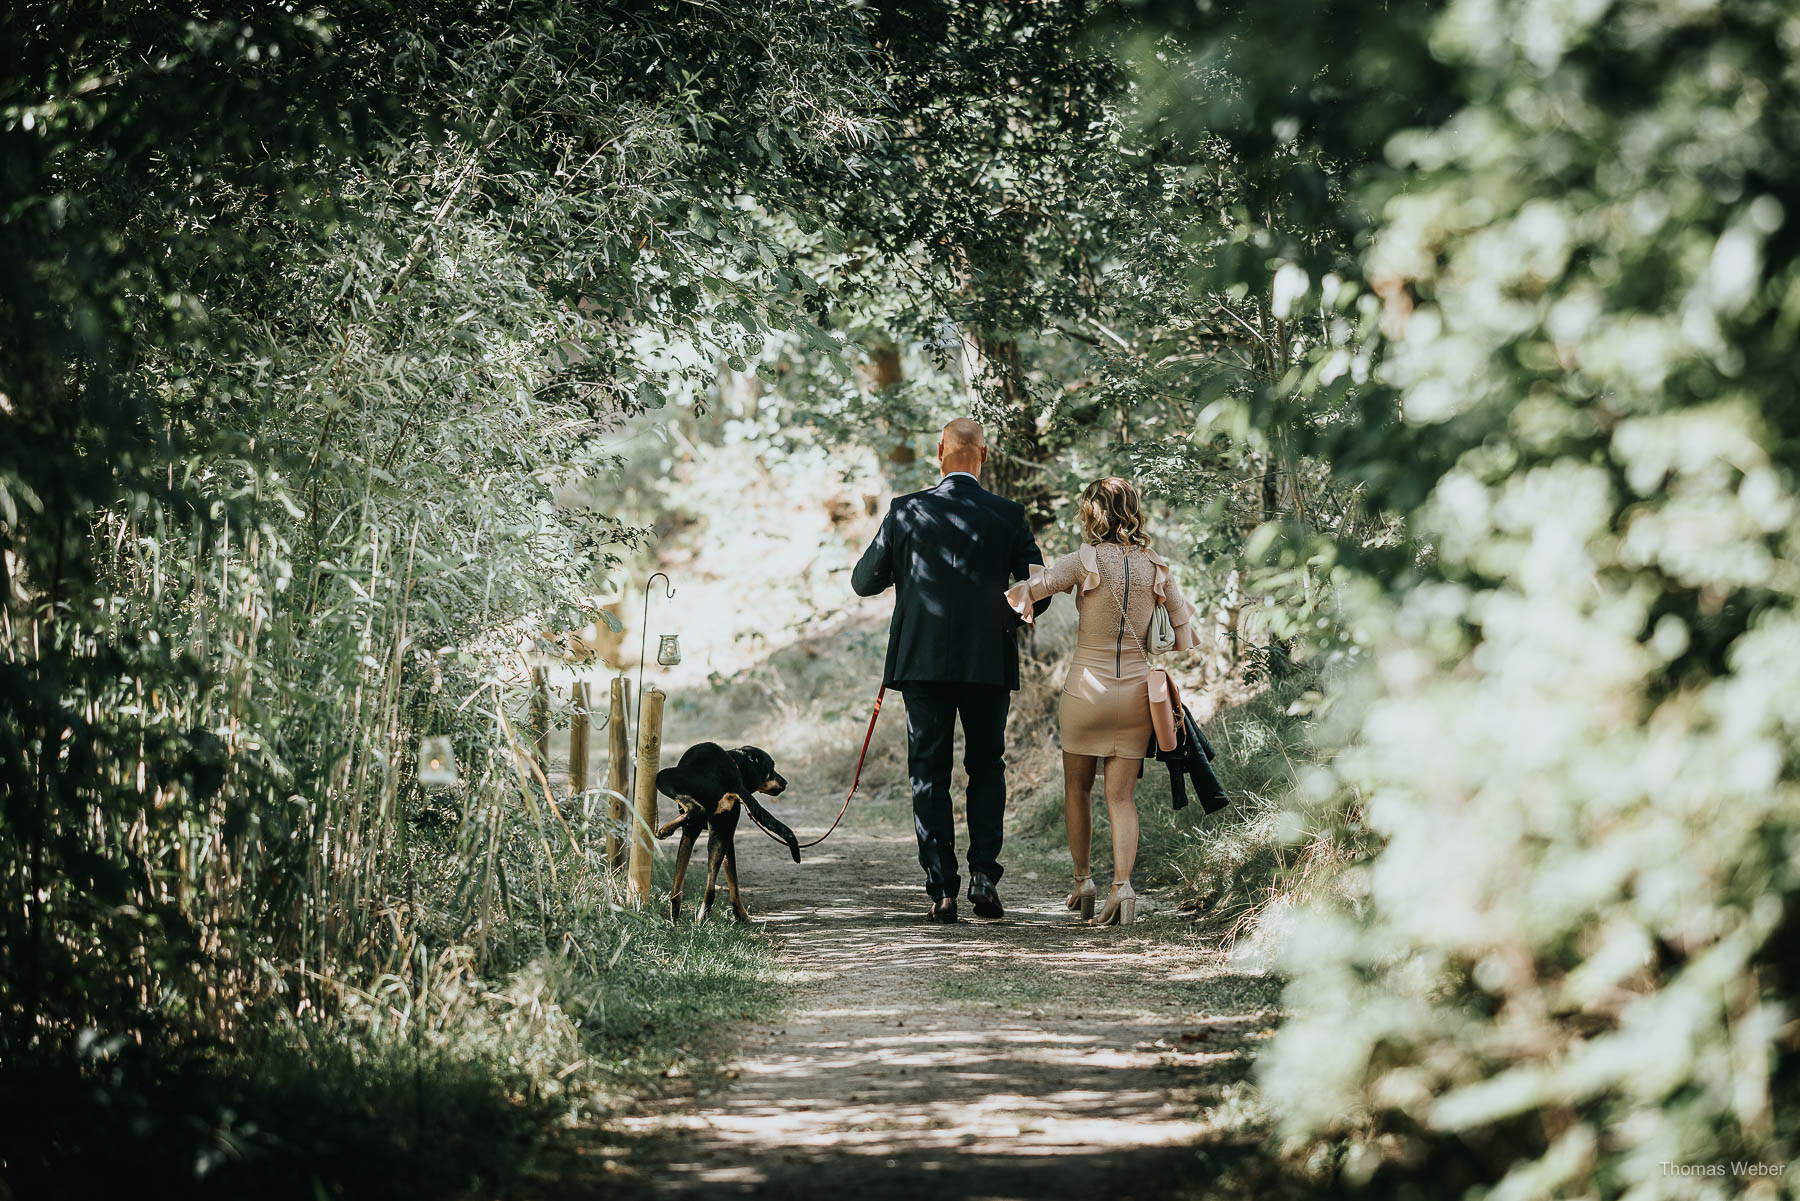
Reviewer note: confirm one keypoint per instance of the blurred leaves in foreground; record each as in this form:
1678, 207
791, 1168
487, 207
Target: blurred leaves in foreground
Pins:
1573, 959
1473, 324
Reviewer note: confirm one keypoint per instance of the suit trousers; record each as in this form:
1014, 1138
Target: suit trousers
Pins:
932, 711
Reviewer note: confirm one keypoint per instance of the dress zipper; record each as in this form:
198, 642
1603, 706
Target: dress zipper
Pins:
1119, 638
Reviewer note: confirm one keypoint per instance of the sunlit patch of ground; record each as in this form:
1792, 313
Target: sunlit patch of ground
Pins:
1031, 1057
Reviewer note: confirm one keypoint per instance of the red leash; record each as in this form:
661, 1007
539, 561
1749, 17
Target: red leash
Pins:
853, 783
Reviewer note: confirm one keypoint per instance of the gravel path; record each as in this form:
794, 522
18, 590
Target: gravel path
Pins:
1026, 1058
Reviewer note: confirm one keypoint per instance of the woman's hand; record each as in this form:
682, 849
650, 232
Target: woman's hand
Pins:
1018, 597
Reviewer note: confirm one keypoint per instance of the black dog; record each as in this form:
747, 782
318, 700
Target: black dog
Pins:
711, 784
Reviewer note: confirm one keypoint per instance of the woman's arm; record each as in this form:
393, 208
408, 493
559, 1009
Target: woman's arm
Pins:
1027, 558
1060, 576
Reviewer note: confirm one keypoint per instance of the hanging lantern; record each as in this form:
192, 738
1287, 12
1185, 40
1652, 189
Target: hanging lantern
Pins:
668, 646
437, 762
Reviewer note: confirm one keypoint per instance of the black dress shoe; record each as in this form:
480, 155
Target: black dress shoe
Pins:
943, 911
984, 896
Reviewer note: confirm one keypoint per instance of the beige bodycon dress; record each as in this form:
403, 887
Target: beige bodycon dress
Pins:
1105, 709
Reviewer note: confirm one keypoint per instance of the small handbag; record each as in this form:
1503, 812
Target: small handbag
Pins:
1162, 630
1164, 696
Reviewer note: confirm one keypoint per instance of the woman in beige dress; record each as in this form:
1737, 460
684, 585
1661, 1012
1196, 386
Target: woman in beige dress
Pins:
1105, 709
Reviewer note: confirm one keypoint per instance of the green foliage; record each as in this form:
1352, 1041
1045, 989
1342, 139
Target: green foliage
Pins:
329, 1117
1111, 290
425, 1084
1571, 960
1472, 325
313, 334
1228, 868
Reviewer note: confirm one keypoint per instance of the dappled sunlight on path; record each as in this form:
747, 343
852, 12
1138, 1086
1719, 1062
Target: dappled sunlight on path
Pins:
1031, 1057
1027, 1058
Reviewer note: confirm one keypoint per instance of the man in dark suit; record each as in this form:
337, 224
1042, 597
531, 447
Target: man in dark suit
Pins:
949, 552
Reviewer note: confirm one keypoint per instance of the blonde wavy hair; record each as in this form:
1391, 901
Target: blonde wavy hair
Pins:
1113, 511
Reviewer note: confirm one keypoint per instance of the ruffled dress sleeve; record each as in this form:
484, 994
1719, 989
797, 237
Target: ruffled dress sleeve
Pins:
1061, 576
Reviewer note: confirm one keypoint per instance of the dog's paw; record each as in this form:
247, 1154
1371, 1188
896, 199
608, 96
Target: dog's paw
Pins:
794, 849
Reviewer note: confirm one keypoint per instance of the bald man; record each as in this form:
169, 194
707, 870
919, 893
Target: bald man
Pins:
949, 553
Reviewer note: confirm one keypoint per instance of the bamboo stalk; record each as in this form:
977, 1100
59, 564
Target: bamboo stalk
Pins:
540, 719
578, 738
618, 780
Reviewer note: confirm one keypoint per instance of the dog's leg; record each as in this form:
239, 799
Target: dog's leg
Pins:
731, 881
688, 836
688, 806
715, 855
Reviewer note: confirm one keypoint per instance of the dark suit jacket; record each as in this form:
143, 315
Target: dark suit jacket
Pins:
950, 552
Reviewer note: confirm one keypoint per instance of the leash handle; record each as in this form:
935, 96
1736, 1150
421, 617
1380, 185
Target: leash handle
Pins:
856, 780
867, 738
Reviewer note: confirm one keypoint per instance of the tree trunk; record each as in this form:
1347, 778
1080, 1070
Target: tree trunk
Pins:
884, 367
540, 719
1016, 452
1225, 645
886, 370
1271, 487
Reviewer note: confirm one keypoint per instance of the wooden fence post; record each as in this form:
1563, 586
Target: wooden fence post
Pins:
540, 719
643, 821
578, 737
618, 777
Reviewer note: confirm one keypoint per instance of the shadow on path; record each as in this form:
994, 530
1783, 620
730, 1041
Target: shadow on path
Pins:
1027, 1058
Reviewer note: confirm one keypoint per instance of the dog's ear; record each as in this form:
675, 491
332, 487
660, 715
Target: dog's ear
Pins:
743, 763
757, 758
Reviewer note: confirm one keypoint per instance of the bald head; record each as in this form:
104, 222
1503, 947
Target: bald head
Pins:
962, 447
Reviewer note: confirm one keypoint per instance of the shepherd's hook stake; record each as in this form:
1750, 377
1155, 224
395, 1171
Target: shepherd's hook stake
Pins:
643, 645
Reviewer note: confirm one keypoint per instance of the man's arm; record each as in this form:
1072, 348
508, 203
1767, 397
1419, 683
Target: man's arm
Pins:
875, 570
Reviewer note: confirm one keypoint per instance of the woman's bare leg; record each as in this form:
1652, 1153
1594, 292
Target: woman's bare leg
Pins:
1121, 806
1078, 808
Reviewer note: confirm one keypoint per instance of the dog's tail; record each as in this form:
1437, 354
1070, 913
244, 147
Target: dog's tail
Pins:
774, 828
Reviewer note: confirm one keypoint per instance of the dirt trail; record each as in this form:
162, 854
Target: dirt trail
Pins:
1026, 1058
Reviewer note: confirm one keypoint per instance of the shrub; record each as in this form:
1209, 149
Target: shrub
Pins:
1571, 963
1228, 867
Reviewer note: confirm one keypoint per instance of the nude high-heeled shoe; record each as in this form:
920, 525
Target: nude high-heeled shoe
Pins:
1121, 906
1083, 897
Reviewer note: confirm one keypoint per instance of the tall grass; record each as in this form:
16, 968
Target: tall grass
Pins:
1229, 868
412, 1088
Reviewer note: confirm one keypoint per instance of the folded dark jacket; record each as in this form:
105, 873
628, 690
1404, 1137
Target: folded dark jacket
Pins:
1190, 761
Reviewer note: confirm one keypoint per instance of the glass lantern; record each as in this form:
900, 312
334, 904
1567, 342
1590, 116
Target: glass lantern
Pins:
437, 762
668, 649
